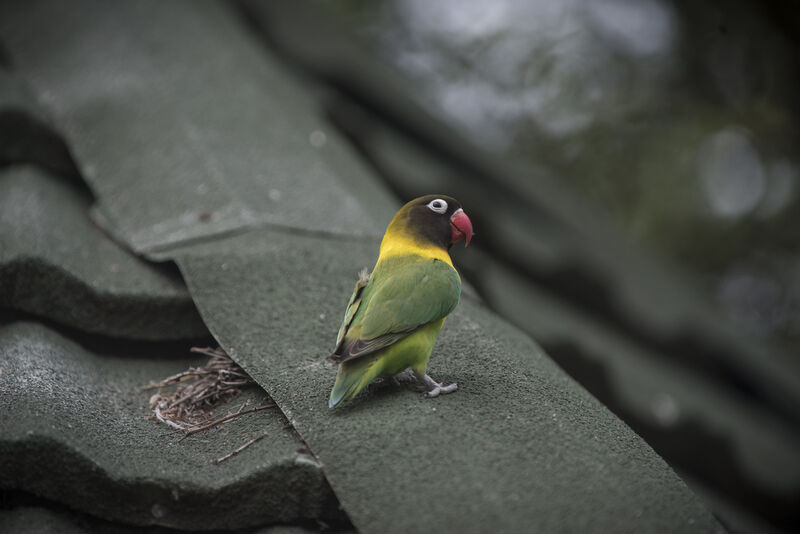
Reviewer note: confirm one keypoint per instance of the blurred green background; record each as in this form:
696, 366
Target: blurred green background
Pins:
678, 119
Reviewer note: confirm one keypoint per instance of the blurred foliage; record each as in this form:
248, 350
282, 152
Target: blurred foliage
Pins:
678, 118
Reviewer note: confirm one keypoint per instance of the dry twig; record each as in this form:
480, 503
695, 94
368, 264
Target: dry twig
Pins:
189, 432
157, 411
237, 451
198, 390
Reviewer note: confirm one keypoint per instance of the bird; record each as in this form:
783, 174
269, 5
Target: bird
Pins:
396, 312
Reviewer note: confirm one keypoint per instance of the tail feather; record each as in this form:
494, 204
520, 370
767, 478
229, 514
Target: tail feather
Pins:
353, 376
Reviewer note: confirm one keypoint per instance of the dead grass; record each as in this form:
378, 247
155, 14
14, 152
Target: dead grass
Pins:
184, 400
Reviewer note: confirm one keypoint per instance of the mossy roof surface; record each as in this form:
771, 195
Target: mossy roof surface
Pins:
201, 148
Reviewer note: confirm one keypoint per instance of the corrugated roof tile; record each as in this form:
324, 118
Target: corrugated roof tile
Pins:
55, 263
147, 126
75, 431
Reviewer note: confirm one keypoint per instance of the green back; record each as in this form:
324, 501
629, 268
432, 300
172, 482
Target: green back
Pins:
401, 295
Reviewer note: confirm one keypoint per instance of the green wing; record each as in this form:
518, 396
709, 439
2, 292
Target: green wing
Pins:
402, 295
352, 305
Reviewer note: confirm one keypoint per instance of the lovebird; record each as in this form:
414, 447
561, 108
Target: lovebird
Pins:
396, 313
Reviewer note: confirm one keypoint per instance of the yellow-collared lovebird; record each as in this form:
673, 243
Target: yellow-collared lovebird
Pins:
395, 314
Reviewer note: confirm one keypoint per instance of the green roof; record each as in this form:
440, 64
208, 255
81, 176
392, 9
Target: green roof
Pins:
199, 147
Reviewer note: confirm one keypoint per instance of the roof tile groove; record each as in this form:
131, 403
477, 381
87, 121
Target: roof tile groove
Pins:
37, 520
25, 136
56, 263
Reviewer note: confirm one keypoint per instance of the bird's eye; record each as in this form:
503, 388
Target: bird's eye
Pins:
438, 205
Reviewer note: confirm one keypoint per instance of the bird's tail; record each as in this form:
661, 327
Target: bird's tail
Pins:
353, 376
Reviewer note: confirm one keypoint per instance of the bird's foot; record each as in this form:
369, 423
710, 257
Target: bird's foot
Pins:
432, 387
440, 390
404, 377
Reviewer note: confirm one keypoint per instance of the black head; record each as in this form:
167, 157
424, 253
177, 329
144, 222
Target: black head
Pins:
437, 219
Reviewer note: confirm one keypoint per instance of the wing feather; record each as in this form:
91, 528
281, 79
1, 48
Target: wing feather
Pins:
402, 295
352, 307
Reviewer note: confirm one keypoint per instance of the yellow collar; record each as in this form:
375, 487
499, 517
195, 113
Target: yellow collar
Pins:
394, 245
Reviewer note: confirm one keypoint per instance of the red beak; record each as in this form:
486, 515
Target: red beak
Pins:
460, 227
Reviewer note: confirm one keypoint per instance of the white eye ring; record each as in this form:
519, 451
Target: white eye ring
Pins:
438, 205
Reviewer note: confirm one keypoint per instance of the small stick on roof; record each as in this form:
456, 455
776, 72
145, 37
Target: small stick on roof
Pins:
237, 451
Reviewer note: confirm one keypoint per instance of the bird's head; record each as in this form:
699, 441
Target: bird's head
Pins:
435, 219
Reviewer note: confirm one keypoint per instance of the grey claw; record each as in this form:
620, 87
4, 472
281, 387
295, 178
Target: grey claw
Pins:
451, 388
434, 388
440, 390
